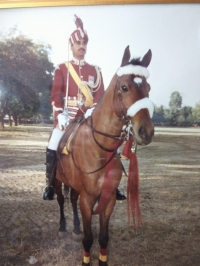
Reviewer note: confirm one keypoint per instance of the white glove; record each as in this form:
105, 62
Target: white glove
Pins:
89, 112
63, 120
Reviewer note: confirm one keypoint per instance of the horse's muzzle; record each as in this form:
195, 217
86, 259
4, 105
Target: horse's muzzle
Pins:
144, 134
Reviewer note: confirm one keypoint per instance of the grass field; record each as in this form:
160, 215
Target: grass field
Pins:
169, 198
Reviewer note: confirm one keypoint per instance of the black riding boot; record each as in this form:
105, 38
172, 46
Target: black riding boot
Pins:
119, 195
50, 174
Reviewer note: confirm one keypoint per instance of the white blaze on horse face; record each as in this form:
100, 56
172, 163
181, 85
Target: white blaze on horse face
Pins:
137, 80
144, 103
132, 69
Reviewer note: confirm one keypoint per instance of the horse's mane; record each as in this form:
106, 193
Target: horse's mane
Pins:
135, 61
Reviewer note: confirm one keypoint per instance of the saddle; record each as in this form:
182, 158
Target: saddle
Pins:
65, 146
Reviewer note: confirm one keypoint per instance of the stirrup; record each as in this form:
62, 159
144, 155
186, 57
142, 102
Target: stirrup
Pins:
48, 193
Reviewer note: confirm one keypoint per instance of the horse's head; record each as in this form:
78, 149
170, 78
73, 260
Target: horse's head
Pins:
133, 93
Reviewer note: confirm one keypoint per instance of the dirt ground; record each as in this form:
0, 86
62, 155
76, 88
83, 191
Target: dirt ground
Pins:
169, 198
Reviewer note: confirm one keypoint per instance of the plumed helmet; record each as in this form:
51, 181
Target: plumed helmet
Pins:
79, 33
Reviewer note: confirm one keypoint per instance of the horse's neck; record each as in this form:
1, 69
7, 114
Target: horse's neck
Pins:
104, 116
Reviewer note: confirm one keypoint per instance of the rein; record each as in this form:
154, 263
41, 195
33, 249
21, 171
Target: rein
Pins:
103, 134
120, 139
109, 160
124, 117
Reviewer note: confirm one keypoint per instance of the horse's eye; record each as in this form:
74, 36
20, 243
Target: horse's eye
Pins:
124, 88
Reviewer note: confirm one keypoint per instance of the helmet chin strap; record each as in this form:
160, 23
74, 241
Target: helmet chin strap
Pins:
144, 103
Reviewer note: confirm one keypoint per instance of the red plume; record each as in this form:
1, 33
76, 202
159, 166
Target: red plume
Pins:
78, 22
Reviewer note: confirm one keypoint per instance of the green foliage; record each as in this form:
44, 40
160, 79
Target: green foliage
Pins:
196, 113
158, 116
175, 107
175, 101
25, 76
185, 115
176, 115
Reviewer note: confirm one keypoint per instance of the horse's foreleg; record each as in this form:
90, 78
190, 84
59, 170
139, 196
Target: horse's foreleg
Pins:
74, 197
86, 212
103, 234
60, 199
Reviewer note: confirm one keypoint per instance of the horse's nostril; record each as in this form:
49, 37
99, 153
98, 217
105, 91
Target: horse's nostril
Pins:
142, 132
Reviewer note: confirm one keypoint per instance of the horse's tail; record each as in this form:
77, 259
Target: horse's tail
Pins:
133, 206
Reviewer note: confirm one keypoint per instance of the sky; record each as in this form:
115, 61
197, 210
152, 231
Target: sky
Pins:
171, 31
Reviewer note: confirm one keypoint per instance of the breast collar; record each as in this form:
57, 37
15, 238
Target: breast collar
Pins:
78, 62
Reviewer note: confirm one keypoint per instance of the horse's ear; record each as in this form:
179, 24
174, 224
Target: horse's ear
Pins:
126, 56
146, 59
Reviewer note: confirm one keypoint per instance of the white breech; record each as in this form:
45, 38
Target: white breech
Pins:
55, 138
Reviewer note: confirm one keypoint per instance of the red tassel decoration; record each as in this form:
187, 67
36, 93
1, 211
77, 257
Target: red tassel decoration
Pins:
133, 208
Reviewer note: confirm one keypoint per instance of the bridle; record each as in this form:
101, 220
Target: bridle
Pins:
126, 131
123, 110
123, 117
117, 138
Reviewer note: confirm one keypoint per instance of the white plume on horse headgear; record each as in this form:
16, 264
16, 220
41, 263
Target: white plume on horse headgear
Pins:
144, 103
79, 33
132, 69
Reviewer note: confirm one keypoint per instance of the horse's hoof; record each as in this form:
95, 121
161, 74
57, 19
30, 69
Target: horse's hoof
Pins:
76, 237
48, 193
85, 264
102, 263
62, 234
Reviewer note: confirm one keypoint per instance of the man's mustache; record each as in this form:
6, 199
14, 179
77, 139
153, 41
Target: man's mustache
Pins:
81, 49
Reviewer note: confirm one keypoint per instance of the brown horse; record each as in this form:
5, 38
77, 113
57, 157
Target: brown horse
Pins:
93, 168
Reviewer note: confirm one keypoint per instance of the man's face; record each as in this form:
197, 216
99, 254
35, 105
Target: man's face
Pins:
79, 49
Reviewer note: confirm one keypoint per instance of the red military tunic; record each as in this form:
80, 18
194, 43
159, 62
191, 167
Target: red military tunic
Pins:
87, 73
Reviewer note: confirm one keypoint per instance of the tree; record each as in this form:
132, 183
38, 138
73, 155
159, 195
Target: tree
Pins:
175, 101
196, 113
175, 106
185, 114
25, 74
158, 116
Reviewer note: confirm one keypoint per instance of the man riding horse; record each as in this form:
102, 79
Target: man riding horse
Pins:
81, 86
